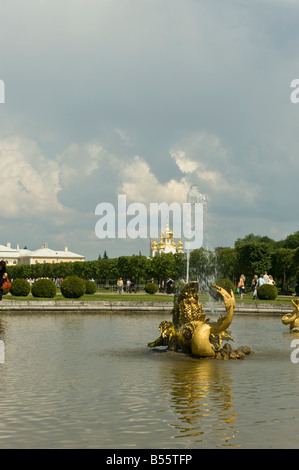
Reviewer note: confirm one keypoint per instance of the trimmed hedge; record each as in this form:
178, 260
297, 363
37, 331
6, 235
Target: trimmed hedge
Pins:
151, 288
20, 288
73, 287
90, 287
267, 292
44, 288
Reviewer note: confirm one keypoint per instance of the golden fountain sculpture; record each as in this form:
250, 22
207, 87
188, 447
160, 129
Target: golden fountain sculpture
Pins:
192, 333
292, 319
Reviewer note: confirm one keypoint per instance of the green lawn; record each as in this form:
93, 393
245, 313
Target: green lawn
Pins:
102, 297
148, 297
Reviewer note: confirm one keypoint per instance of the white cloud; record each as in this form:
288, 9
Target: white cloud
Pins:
185, 165
29, 181
208, 165
141, 185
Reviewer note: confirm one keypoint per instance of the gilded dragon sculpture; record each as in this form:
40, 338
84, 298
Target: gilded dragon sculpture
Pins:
292, 319
192, 333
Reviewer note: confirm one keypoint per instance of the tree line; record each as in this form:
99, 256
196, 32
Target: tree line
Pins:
251, 255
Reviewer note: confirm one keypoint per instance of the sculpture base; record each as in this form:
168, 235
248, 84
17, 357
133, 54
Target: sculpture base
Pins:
228, 353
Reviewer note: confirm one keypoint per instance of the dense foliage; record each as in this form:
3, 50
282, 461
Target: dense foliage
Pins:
253, 254
267, 292
73, 287
90, 287
44, 288
151, 288
20, 288
227, 284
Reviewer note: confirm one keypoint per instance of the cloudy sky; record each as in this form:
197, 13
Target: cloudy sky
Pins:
145, 98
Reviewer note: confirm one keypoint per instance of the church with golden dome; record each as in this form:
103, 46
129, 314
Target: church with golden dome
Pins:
166, 243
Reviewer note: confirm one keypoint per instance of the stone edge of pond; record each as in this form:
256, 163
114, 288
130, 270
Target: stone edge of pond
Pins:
52, 306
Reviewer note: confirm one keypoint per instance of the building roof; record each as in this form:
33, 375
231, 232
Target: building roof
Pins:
44, 252
48, 253
7, 251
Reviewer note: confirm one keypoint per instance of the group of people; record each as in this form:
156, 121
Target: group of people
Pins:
259, 281
256, 282
130, 285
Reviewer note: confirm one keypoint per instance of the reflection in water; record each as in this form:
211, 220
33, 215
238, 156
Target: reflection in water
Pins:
200, 393
89, 381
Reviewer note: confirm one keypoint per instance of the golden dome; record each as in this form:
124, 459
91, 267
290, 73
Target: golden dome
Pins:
167, 233
161, 244
180, 244
154, 244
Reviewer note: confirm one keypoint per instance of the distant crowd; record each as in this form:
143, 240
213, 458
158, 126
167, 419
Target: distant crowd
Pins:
256, 282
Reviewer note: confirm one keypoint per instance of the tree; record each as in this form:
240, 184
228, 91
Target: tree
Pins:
251, 238
202, 266
161, 267
253, 258
283, 266
226, 260
180, 261
124, 267
139, 265
107, 270
292, 241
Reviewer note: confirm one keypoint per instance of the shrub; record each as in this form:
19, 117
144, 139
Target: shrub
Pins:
151, 288
267, 292
72, 287
227, 284
20, 288
44, 288
90, 287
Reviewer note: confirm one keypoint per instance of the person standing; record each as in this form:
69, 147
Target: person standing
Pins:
271, 280
266, 277
254, 286
241, 285
169, 285
132, 286
261, 280
3, 276
120, 286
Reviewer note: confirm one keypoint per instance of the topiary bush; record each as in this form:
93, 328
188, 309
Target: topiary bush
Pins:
73, 287
226, 284
44, 288
20, 288
90, 287
151, 288
267, 292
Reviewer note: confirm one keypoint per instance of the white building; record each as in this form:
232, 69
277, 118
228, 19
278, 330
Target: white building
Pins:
14, 256
166, 243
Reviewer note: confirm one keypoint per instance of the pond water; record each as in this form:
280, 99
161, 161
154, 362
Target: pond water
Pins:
89, 381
